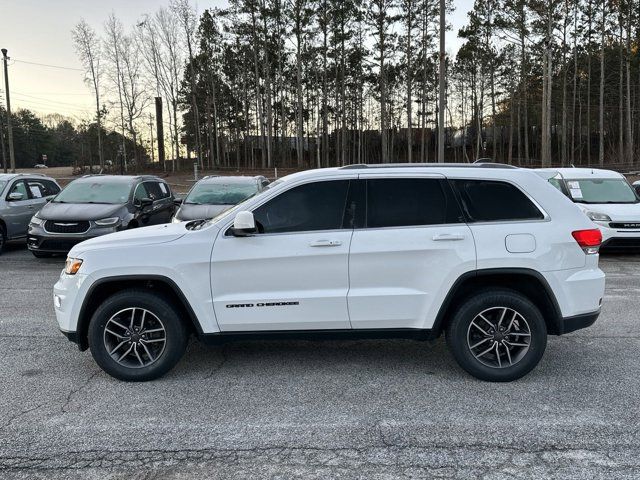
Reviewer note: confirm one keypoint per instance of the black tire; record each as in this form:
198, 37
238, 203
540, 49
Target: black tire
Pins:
175, 333
41, 254
462, 336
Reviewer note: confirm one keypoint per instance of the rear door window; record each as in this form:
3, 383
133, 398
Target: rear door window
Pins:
495, 201
399, 202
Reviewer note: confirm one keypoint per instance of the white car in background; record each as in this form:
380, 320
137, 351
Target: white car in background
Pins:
608, 200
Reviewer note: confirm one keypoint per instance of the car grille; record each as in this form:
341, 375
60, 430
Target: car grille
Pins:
61, 226
624, 225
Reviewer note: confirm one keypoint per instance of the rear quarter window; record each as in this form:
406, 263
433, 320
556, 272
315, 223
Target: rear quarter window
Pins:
495, 201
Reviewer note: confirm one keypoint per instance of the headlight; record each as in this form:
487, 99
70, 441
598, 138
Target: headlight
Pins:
175, 220
598, 217
72, 265
36, 220
106, 222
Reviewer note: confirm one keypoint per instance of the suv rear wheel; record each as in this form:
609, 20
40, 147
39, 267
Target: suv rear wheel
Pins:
497, 335
135, 335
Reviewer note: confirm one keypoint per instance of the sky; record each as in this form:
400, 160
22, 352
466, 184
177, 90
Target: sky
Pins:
39, 32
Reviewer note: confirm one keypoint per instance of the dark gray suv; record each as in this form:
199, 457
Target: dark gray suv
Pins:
22, 195
95, 205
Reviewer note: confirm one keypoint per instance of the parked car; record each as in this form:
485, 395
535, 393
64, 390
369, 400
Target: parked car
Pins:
40, 165
607, 199
22, 195
96, 205
212, 195
491, 255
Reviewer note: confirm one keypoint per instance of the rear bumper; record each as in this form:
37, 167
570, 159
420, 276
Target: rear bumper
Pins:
577, 322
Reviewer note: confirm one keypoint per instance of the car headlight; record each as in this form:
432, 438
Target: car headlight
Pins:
107, 222
72, 265
598, 217
36, 220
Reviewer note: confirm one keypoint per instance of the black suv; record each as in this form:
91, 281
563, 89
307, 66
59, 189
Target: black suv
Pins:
95, 205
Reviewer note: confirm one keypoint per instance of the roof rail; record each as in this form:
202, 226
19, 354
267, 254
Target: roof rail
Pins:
427, 165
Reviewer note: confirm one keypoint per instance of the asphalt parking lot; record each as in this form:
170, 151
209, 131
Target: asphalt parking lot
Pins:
365, 409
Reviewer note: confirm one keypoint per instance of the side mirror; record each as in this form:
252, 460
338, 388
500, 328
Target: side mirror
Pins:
15, 196
178, 201
244, 224
636, 186
144, 202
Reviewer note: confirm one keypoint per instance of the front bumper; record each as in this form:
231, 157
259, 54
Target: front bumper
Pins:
68, 293
38, 239
618, 239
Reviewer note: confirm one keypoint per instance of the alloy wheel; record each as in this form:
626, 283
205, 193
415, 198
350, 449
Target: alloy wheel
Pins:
499, 337
135, 337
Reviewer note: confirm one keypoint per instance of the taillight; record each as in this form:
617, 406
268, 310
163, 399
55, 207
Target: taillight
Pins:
589, 240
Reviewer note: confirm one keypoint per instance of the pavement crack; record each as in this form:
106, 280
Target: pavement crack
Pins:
13, 418
77, 390
220, 365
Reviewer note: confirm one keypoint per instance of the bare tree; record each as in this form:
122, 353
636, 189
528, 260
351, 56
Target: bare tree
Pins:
114, 38
87, 44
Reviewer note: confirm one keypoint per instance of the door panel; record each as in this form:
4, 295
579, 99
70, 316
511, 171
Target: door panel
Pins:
294, 273
18, 212
399, 276
281, 282
412, 249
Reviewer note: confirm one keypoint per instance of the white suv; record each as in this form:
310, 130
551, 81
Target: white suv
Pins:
491, 255
607, 199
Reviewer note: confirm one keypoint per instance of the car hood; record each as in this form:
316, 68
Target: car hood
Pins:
617, 211
78, 211
138, 236
200, 212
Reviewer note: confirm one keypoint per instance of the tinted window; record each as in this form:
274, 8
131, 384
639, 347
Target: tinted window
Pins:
313, 206
156, 191
51, 188
406, 201
490, 201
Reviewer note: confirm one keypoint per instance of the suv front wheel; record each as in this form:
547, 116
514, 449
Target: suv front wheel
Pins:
136, 335
497, 335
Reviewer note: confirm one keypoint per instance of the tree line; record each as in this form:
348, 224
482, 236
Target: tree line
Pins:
63, 141
316, 83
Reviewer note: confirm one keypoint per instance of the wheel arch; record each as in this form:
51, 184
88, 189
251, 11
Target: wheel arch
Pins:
105, 287
526, 281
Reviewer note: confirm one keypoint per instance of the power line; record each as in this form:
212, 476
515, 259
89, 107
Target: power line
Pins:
48, 65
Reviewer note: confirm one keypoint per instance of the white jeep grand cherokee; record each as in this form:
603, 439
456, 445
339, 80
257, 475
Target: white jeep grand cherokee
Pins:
493, 256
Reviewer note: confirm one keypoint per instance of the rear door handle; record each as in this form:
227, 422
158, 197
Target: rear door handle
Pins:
443, 237
325, 243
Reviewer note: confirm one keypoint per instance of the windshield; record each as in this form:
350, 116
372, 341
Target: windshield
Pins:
98, 191
610, 190
220, 193
240, 206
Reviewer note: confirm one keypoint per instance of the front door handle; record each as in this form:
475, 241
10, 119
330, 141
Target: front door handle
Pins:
443, 237
325, 243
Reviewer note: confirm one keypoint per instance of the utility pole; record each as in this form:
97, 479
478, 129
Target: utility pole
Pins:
9, 128
153, 158
160, 132
441, 89
4, 152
